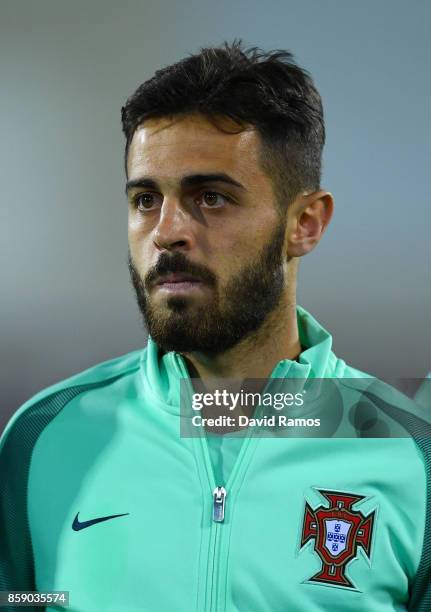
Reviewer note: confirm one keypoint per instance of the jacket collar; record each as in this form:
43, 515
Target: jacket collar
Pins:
161, 373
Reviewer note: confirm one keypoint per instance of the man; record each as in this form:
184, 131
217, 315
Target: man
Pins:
101, 495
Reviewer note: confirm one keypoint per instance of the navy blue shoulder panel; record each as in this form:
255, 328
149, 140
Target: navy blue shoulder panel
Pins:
420, 431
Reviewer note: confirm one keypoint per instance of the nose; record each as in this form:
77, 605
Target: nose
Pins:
174, 228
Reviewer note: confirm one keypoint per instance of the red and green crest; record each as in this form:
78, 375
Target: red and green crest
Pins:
337, 531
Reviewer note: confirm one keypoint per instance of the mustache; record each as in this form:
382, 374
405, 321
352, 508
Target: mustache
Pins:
176, 262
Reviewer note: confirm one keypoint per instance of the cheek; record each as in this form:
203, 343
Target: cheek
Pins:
242, 249
231, 256
133, 237
137, 231
138, 243
134, 223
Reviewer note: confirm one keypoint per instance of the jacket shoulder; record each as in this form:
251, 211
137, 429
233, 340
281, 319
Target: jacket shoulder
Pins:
365, 389
97, 375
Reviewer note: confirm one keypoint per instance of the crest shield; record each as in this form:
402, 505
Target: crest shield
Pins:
336, 535
337, 530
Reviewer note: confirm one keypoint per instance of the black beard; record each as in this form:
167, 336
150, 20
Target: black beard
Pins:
249, 297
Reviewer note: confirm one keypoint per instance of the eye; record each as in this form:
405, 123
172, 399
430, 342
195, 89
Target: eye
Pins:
213, 199
146, 201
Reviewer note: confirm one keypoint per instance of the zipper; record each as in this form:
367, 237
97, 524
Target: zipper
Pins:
220, 528
214, 597
214, 601
218, 512
219, 496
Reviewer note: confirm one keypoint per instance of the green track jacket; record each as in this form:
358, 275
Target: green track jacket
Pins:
294, 524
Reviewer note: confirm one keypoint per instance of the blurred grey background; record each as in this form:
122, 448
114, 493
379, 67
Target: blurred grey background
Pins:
66, 70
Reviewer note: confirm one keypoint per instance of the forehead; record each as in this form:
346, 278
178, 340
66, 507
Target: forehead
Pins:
168, 148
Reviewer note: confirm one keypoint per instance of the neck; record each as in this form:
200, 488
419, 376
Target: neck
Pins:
256, 355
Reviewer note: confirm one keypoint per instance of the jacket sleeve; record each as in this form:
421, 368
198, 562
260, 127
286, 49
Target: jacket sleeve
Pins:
419, 429
16, 555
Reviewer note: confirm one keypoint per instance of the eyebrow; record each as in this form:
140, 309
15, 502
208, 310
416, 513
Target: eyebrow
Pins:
187, 181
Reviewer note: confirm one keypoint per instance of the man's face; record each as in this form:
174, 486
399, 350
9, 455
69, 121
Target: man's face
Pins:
202, 214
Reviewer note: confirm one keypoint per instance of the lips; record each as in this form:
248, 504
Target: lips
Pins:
177, 277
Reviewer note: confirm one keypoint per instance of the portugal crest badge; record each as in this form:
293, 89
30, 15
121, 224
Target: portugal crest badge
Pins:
337, 530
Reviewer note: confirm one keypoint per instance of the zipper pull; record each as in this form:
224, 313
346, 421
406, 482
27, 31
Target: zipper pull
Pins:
219, 494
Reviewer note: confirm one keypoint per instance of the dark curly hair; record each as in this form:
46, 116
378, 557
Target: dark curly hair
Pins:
267, 90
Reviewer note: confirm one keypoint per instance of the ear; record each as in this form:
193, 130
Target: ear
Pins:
308, 218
